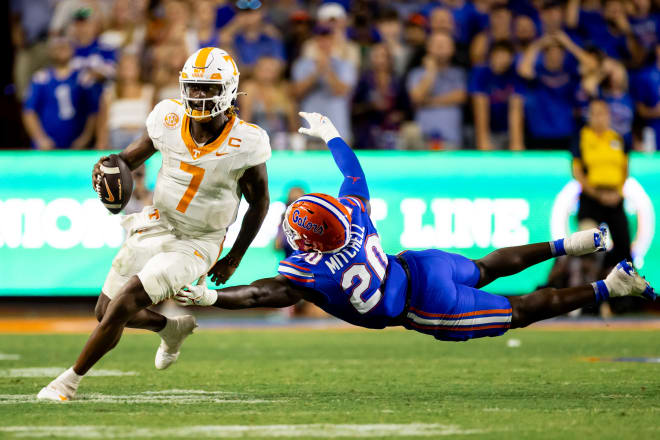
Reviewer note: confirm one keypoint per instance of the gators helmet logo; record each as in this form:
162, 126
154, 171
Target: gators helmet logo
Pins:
317, 222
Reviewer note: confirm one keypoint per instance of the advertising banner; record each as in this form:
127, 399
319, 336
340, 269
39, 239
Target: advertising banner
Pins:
57, 239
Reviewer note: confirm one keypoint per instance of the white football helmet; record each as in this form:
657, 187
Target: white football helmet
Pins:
213, 68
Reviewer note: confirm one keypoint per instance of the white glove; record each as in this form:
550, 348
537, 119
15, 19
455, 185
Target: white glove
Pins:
319, 126
199, 295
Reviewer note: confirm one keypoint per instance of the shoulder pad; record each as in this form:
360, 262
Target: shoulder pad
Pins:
166, 115
255, 143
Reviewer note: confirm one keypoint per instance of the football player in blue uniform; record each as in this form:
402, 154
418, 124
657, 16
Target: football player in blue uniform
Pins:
340, 266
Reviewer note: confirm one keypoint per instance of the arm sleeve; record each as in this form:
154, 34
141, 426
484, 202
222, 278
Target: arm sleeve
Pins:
297, 273
355, 183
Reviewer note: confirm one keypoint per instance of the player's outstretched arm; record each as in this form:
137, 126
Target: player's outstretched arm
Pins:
267, 292
355, 183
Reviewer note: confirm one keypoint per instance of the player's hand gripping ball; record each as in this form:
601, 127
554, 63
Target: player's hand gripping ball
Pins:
113, 182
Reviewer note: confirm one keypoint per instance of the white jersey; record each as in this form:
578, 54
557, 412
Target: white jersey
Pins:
197, 190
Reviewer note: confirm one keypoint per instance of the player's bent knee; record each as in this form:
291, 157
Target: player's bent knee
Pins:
99, 312
101, 306
484, 275
518, 313
126, 305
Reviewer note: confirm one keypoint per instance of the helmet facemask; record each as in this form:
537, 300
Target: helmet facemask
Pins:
219, 98
292, 236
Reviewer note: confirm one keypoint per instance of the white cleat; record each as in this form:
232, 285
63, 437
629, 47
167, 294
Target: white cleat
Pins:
586, 242
172, 336
624, 280
55, 392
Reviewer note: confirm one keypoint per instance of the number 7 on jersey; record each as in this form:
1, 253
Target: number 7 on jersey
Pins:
193, 186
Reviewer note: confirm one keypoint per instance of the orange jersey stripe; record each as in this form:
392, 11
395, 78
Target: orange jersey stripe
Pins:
457, 329
360, 202
302, 280
196, 152
294, 265
459, 315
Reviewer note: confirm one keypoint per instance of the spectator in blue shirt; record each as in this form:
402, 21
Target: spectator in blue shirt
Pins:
251, 38
552, 81
551, 15
204, 19
609, 30
524, 34
497, 101
500, 29
646, 93
438, 91
58, 111
645, 25
469, 20
379, 104
325, 83
89, 54
29, 22
609, 83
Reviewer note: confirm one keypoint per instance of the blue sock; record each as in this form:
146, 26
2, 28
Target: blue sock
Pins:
557, 248
601, 291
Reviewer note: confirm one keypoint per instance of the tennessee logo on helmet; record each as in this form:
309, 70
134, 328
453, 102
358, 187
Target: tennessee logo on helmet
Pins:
317, 222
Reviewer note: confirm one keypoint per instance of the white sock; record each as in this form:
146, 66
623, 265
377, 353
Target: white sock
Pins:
170, 326
71, 376
69, 380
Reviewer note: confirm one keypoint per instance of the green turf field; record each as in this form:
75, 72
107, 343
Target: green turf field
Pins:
390, 384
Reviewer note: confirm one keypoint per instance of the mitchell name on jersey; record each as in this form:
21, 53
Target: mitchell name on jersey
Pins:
337, 261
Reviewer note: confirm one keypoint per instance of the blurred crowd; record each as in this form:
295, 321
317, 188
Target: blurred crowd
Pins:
444, 74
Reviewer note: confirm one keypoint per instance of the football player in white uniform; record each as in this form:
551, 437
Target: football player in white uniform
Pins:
209, 159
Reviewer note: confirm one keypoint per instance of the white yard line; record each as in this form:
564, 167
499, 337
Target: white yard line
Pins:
53, 372
9, 357
240, 431
166, 396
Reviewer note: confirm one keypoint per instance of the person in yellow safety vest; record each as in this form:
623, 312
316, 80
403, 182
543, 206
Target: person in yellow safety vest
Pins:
600, 164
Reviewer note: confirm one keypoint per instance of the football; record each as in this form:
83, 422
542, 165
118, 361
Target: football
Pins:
116, 186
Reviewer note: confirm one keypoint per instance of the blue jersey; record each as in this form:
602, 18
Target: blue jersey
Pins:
549, 100
352, 281
62, 104
433, 292
498, 88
